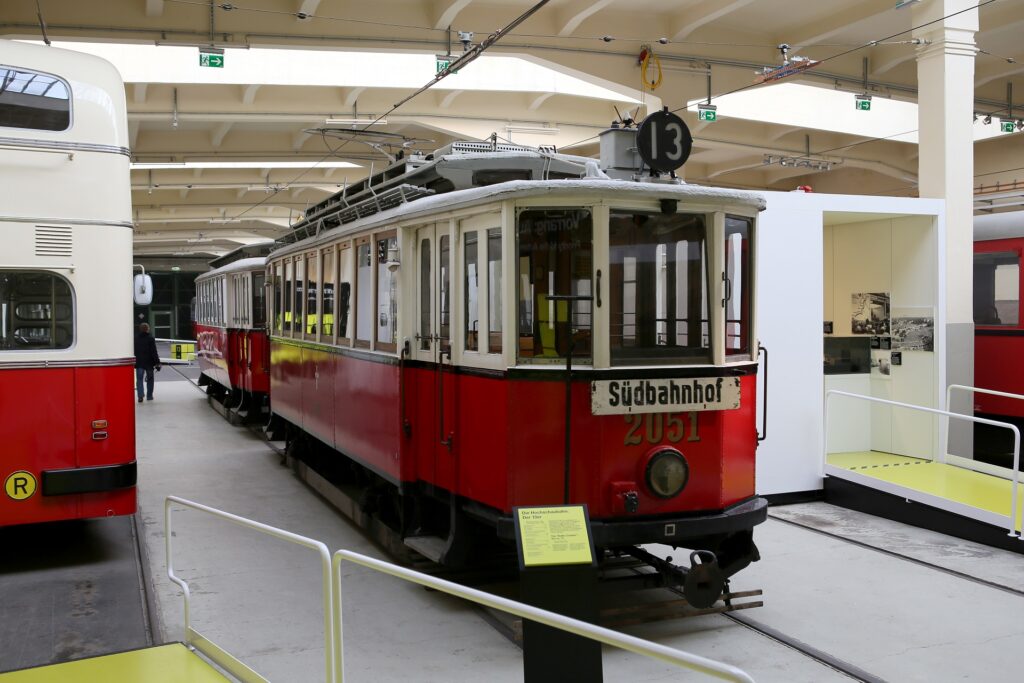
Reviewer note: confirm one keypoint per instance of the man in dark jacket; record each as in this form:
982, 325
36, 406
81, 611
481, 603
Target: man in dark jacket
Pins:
146, 359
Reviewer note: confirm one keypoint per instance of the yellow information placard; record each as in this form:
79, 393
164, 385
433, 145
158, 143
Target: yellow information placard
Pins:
554, 535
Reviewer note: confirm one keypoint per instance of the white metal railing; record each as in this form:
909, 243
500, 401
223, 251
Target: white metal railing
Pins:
207, 647
581, 628
935, 411
974, 390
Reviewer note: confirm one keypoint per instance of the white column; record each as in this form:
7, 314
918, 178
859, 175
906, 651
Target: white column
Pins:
945, 81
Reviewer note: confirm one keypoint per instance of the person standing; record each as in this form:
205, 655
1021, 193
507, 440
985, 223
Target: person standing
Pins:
146, 359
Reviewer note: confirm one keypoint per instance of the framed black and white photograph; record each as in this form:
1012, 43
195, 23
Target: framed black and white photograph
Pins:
881, 364
870, 313
913, 329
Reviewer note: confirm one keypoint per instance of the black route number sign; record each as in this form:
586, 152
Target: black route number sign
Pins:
664, 141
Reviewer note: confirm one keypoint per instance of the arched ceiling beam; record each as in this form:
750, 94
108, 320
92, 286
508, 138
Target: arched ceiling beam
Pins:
249, 93
783, 132
139, 92
445, 12
154, 8
994, 73
352, 96
885, 58
577, 12
822, 29
716, 170
701, 14
218, 133
133, 133
448, 99
539, 100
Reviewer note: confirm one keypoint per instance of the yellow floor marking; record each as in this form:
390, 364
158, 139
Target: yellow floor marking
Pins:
172, 663
978, 490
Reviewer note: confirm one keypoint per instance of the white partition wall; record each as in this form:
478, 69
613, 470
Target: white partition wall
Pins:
816, 252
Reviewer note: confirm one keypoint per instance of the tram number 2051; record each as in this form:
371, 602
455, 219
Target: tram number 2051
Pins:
653, 427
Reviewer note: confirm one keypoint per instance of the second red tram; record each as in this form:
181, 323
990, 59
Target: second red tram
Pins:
420, 352
233, 350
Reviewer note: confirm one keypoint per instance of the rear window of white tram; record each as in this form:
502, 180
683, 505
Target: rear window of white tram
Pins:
36, 312
657, 288
33, 100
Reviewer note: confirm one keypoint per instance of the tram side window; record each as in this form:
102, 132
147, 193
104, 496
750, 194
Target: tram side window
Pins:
33, 100
658, 295
259, 300
327, 308
738, 282
288, 286
298, 289
471, 290
494, 298
997, 288
344, 291
555, 260
278, 303
36, 311
364, 294
387, 292
312, 287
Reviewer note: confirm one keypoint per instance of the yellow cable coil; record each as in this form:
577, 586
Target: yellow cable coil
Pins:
645, 62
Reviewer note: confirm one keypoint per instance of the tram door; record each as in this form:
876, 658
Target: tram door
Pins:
432, 346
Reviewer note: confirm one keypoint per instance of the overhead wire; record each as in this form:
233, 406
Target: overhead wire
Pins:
467, 57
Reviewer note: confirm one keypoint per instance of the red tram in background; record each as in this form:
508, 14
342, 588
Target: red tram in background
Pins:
67, 414
233, 351
998, 340
492, 326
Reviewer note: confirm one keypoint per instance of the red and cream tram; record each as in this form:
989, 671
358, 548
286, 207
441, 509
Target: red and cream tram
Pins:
67, 414
230, 308
420, 351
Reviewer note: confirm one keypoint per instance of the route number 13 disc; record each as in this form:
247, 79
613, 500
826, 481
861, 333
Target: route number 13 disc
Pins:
664, 141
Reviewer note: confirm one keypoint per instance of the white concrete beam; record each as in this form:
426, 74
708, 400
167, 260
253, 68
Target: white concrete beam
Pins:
139, 92
307, 7
445, 11
242, 191
447, 100
997, 72
183, 193
701, 14
539, 100
576, 13
821, 30
716, 170
884, 58
154, 8
133, 133
784, 131
217, 136
352, 96
249, 93
299, 139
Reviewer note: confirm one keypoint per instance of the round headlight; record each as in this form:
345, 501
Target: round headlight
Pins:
667, 473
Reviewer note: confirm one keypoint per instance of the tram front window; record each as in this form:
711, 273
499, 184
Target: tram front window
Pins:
556, 259
657, 289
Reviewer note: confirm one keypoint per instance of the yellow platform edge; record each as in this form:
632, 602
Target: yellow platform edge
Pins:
171, 663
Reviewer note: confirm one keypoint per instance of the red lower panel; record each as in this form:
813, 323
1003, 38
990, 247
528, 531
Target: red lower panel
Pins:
998, 366
49, 418
214, 351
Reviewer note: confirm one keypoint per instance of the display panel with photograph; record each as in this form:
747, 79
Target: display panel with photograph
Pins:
870, 313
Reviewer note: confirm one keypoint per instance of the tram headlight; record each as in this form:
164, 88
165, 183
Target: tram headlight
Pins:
667, 473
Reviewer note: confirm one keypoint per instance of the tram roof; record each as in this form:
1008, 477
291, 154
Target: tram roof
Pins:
246, 264
591, 188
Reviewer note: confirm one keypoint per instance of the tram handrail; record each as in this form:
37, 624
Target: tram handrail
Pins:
193, 638
970, 418
976, 390
581, 628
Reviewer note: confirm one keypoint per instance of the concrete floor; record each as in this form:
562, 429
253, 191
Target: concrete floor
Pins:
259, 598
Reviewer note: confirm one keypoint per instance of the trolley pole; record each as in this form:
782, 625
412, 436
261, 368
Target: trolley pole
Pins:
570, 299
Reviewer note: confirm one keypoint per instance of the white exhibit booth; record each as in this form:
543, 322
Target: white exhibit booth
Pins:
850, 298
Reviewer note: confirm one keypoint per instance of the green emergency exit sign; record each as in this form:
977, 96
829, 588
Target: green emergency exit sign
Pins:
864, 104
213, 60
707, 112
1007, 126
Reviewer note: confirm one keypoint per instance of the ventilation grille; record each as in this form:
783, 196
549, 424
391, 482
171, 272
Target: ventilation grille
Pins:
53, 240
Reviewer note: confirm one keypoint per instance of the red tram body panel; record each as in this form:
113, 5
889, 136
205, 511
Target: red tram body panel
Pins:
999, 329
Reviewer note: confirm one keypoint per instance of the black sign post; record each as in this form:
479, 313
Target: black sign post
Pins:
664, 141
558, 572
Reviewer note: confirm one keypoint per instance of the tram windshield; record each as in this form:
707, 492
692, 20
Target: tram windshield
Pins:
658, 288
556, 255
